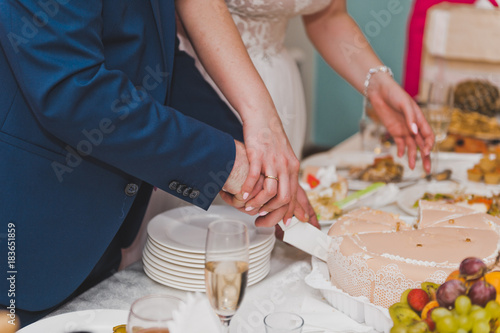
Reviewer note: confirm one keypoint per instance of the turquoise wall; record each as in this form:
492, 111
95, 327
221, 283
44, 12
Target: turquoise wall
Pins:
337, 106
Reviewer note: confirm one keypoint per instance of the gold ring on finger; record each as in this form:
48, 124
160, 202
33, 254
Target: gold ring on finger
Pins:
272, 177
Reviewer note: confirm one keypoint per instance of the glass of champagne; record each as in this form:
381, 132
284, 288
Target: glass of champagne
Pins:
372, 131
151, 314
226, 267
438, 111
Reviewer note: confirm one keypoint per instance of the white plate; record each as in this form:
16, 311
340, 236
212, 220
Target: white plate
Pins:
358, 308
346, 160
254, 253
95, 321
195, 279
185, 228
189, 272
200, 257
158, 277
408, 196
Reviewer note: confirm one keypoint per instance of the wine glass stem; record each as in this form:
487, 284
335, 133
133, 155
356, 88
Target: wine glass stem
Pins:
225, 324
435, 159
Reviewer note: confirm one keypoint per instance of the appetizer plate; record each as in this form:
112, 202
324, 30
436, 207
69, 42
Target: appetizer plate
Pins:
408, 196
344, 161
95, 321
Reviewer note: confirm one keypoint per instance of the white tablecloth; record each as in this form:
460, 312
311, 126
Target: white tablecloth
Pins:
283, 289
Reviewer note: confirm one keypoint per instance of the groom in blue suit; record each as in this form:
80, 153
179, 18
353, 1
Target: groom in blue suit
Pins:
85, 132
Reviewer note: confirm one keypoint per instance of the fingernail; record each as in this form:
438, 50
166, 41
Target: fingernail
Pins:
307, 217
264, 213
287, 223
414, 128
248, 208
245, 195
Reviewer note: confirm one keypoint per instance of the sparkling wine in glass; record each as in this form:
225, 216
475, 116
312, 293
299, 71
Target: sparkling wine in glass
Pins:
151, 314
438, 111
226, 267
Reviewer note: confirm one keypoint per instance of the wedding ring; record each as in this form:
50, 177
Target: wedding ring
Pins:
271, 177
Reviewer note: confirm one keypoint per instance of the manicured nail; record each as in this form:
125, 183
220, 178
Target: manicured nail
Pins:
414, 128
245, 195
287, 223
307, 217
264, 213
248, 208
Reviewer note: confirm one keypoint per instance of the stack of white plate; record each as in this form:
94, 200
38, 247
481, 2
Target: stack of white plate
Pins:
174, 254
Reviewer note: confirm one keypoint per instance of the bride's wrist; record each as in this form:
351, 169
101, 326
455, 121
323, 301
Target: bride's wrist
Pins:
379, 83
376, 78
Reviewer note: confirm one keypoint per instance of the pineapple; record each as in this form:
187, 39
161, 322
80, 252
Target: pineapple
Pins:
479, 96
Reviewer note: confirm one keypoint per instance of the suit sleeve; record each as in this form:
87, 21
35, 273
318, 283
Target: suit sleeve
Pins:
60, 67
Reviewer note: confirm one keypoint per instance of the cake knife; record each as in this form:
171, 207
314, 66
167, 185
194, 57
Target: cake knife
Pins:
307, 238
313, 241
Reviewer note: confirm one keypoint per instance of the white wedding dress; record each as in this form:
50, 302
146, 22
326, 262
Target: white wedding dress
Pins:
262, 25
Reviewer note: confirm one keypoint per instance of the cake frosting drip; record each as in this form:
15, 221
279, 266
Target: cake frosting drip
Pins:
376, 255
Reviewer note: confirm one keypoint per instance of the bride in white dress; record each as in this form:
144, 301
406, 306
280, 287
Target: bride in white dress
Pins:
262, 26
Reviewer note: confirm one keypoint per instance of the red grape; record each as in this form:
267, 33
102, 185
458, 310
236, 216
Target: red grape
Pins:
472, 268
448, 292
481, 293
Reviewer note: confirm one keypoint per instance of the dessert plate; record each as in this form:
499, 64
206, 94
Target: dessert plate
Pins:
184, 229
95, 321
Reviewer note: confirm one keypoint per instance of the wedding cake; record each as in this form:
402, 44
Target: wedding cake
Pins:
377, 255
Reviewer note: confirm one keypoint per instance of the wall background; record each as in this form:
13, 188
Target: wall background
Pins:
334, 106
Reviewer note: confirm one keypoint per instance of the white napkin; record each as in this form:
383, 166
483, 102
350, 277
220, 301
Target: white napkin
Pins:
320, 317
195, 315
386, 195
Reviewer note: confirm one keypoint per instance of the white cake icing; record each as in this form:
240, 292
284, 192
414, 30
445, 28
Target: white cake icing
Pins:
377, 255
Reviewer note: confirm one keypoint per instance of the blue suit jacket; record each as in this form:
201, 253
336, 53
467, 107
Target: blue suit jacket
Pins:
83, 124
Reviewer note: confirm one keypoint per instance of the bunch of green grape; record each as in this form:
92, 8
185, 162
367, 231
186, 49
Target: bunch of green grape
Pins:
466, 317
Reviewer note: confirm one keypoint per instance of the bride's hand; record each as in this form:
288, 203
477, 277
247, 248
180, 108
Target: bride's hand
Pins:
403, 119
270, 154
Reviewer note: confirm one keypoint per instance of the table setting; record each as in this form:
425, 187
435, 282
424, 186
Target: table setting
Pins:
219, 273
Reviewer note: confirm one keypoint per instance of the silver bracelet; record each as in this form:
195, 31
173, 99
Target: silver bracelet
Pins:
373, 71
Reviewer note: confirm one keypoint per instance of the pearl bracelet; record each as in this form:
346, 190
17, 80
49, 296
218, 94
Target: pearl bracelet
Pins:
373, 71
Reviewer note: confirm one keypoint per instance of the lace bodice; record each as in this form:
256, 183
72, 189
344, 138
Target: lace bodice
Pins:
262, 23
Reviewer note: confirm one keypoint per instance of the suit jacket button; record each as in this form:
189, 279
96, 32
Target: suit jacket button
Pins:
181, 188
173, 185
194, 194
187, 191
131, 189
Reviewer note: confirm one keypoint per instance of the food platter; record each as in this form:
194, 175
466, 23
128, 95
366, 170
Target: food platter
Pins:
409, 196
95, 321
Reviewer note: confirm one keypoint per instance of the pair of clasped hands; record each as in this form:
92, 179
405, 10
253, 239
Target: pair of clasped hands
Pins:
264, 178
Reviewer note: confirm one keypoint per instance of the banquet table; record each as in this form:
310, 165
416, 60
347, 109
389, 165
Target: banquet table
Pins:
283, 289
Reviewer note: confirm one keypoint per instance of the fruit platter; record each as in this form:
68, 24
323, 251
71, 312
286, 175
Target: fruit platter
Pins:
468, 301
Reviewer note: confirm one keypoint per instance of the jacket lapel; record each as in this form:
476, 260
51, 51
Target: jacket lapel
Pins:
164, 14
159, 26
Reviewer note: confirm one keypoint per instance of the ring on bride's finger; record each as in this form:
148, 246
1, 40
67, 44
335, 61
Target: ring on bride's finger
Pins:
272, 177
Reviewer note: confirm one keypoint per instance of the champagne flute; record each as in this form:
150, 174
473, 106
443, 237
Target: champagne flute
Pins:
226, 267
438, 112
151, 314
